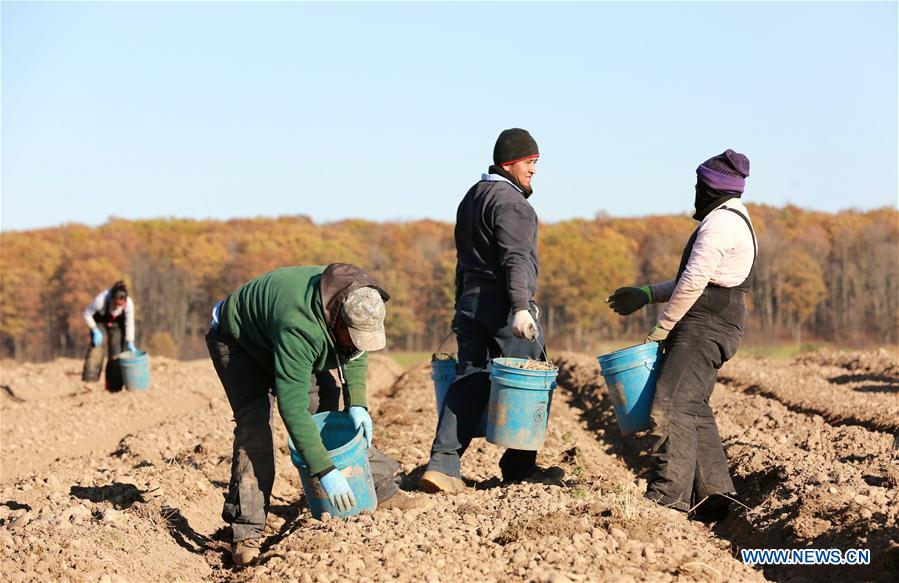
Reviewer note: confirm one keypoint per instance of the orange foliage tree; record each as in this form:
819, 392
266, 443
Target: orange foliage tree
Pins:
830, 276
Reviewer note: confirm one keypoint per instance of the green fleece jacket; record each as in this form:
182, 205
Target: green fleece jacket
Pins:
279, 319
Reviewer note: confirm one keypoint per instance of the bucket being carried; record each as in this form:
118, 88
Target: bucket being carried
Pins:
630, 375
443, 371
348, 451
521, 393
135, 368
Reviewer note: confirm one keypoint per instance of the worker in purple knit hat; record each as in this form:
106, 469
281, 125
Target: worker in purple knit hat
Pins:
700, 329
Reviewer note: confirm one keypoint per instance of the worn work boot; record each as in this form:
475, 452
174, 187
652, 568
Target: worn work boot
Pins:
715, 508
405, 502
433, 482
538, 475
244, 552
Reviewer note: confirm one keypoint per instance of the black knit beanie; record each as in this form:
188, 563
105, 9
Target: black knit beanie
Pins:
514, 145
119, 290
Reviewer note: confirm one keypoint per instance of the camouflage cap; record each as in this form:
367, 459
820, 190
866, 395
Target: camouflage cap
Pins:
363, 313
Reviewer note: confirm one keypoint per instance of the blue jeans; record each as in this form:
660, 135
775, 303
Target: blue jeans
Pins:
483, 331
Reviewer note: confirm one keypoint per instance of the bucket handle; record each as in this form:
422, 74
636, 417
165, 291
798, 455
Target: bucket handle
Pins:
442, 342
545, 359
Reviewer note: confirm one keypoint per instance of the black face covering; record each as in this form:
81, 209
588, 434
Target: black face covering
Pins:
499, 170
708, 199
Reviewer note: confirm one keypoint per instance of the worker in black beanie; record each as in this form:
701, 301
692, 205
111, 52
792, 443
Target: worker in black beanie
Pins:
496, 280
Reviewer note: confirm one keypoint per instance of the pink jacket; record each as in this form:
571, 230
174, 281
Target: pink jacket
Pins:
722, 255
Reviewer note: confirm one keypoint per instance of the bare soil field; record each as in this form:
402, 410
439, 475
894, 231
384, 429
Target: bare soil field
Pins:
129, 486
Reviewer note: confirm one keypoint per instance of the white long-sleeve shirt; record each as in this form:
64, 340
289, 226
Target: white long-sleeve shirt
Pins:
722, 255
103, 305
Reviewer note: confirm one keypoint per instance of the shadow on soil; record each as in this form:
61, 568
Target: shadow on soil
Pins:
121, 495
877, 389
124, 496
180, 529
888, 381
409, 480
13, 505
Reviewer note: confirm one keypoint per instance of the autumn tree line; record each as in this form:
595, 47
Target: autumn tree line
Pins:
819, 276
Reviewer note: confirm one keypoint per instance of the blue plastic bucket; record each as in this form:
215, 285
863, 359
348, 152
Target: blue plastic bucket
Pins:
442, 373
135, 370
347, 448
630, 376
519, 404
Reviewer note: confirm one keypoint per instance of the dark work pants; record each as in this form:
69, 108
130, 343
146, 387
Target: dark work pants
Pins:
248, 385
689, 460
115, 344
483, 331
114, 335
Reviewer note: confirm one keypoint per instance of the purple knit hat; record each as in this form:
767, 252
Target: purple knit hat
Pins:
727, 171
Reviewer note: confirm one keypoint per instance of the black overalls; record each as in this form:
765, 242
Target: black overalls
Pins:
689, 460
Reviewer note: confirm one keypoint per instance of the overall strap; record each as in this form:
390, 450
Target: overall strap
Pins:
755, 248
685, 256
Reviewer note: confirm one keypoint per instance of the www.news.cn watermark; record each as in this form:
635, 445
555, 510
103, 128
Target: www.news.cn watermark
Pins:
806, 556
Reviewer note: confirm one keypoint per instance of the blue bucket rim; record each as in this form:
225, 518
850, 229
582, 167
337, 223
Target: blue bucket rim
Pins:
630, 365
444, 363
331, 452
139, 355
630, 350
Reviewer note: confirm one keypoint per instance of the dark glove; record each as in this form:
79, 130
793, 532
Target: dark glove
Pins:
627, 300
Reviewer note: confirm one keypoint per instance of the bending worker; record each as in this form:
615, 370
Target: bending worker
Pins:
496, 279
701, 329
112, 312
277, 336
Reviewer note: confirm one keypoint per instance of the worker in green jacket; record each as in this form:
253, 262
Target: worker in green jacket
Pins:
270, 339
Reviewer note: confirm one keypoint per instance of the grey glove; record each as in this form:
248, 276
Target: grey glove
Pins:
627, 300
657, 334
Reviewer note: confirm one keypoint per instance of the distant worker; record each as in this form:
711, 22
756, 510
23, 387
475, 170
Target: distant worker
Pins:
496, 315
110, 315
701, 329
276, 337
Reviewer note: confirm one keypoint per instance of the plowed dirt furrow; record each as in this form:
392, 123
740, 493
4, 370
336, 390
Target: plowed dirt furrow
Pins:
56, 415
810, 484
147, 509
841, 396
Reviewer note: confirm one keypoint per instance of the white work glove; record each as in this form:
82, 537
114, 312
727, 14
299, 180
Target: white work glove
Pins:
523, 325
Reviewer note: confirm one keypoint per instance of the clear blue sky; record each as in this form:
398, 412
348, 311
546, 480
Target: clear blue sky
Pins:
390, 111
